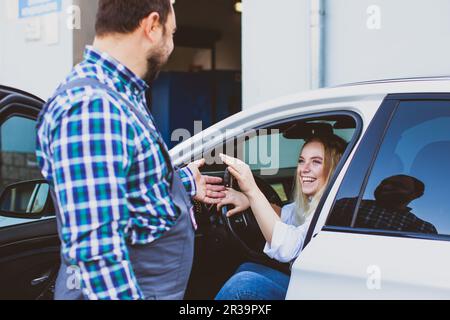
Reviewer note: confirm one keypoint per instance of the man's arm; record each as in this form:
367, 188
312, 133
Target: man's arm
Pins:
92, 148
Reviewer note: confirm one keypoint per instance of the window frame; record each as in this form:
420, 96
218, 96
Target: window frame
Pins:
350, 148
368, 151
269, 125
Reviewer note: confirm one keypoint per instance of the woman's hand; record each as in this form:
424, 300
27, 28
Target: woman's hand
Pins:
264, 213
235, 198
242, 173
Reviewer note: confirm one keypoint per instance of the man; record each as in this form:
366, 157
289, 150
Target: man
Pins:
125, 219
389, 210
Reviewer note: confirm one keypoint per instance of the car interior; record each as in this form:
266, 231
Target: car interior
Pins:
223, 244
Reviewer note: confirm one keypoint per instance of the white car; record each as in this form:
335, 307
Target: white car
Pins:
398, 135
399, 145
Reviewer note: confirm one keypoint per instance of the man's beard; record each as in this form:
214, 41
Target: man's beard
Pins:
154, 66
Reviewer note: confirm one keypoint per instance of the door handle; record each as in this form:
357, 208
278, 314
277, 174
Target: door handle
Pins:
41, 280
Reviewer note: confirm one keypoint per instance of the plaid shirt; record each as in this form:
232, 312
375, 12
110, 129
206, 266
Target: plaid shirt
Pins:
109, 175
372, 216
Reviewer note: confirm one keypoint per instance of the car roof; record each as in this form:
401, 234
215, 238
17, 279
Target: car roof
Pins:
6, 91
411, 79
361, 91
365, 97
374, 91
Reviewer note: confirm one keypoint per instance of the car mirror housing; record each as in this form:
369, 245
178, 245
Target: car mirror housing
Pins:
25, 200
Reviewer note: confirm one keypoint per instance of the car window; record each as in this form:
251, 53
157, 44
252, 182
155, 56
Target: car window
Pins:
266, 146
273, 154
408, 188
18, 161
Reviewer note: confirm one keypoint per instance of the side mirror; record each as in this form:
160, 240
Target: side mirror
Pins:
25, 200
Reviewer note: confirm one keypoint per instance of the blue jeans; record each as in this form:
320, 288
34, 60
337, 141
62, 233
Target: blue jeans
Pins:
255, 282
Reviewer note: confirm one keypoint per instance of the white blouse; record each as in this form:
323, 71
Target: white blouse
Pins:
288, 238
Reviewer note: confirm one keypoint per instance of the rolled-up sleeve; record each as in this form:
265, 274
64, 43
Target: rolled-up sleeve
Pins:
188, 180
287, 242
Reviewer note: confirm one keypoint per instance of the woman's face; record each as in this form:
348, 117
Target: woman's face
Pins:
311, 168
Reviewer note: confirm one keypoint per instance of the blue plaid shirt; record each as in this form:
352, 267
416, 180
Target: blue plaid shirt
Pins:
109, 175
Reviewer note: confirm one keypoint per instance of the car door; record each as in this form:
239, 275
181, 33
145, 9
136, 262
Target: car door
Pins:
29, 246
272, 152
386, 233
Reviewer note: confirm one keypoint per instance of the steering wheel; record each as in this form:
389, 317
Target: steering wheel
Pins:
244, 227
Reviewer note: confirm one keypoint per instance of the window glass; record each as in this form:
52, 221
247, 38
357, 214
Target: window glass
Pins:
260, 151
273, 154
18, 160
409, 186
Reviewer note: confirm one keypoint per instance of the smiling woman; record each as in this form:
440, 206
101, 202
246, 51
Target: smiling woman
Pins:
317, 162
311, 169
285, 235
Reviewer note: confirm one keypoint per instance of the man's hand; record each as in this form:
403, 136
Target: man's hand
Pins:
209, 189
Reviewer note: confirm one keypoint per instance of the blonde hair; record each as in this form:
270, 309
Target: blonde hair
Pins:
334, 148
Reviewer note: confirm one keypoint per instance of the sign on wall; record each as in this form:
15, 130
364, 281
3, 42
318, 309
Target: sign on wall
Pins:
34, 8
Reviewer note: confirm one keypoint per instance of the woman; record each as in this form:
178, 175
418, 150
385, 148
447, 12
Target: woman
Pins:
285, 235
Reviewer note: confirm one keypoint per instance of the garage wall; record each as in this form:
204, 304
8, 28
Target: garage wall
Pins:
33, 66
363, 40
275, 49
85, 35
401, 38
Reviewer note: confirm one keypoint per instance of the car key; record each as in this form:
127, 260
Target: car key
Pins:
228, 179
228, 183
